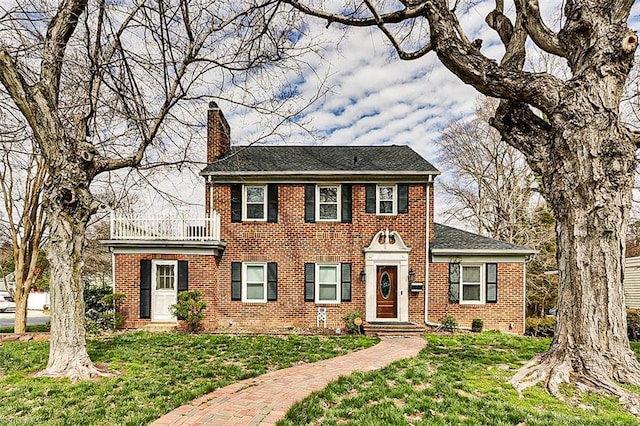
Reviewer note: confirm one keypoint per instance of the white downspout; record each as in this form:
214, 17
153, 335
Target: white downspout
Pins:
524, 292
426, 254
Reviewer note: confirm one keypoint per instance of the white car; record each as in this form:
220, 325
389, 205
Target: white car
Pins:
6, 303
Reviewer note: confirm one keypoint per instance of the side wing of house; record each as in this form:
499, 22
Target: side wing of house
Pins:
475, 277
156, 259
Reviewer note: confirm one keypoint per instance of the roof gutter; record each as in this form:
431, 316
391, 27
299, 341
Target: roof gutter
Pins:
480, 252
387, 174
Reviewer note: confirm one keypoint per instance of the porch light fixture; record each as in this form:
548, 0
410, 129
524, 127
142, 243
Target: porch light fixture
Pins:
363, 276
411, 275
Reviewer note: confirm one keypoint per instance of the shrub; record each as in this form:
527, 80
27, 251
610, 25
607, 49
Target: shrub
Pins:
477, 325
351, 327
101, 309
190, 309
540, 327
633, 324
448, 323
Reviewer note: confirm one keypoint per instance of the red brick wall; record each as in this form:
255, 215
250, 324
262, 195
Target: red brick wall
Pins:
291, 242
202, 272
496, 316
218, 133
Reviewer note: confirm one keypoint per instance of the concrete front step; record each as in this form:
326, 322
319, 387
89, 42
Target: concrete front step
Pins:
159, 327
393, 329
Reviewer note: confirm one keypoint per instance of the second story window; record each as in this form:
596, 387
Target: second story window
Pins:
328, 203
254, 203
386, 202
254, 198
387, 199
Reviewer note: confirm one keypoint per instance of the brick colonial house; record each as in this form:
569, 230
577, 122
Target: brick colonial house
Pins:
299, 236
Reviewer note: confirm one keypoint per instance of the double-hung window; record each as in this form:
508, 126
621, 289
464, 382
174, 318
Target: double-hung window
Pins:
328, 202
471, 283
254, 286
386, 200
328, 283
254, 198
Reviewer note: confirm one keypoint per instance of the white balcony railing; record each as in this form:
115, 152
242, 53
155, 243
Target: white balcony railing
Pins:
166, 228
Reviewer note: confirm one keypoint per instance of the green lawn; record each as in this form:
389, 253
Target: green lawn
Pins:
44, 328
159, 372
455, 380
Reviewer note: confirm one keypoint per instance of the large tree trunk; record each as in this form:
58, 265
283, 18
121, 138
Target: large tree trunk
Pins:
589, 181
69, 206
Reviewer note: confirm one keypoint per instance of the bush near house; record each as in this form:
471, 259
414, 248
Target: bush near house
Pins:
448, 323
349, 323
476, 325
190, 309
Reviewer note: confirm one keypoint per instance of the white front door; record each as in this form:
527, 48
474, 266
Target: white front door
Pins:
164, 289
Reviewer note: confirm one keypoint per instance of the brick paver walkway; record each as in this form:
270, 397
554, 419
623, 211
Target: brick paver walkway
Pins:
265, 399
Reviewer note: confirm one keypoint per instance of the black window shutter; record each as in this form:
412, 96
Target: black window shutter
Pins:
236, 202
346, 282
346, 202
492, 282
370, 198
454, 282
310, 203
272, 281
236, 280
183, 275
145, 289
272, 202
403, 198
309, 282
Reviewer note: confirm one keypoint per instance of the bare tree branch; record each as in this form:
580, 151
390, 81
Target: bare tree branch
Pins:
540, 90
541, 35
59, 31
408, 12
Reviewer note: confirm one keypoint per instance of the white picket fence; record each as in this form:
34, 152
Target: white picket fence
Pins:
166, 228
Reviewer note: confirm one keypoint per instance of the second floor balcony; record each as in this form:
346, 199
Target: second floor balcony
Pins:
167, 228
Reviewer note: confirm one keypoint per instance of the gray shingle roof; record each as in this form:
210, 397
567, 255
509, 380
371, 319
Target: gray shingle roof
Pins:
447, 239
319, 159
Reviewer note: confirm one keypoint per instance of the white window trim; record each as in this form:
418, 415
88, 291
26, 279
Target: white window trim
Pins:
338, 285
394, 201
154, 273
483, 299
244, 282
338, 202
244, 203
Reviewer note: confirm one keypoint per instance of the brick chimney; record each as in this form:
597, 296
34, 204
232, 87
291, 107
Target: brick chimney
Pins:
218, 133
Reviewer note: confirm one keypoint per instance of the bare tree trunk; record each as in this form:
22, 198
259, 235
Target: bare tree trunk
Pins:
69, 206
21, 299
591, 173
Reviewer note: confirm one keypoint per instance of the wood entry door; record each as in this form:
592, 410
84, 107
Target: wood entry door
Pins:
386, 292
